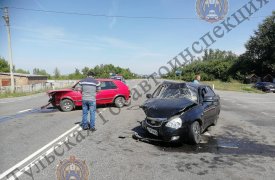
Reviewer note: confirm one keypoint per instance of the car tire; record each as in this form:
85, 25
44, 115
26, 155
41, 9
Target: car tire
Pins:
195, 133
119, 102
66, 105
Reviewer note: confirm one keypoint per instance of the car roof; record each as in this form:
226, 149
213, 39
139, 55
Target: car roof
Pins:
106, 79
194, 85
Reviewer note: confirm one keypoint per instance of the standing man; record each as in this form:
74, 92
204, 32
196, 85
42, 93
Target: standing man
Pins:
89, 88
197, 79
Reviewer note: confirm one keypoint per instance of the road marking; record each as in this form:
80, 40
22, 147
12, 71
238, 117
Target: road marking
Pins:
24, 111
268, 114
261, 103
29, 165
36, 153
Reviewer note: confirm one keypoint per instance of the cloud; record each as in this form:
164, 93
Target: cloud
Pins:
113, 11
116, 43
47, 32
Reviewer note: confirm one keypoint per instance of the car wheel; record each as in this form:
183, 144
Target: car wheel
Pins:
66, 105
195, 132
119, 102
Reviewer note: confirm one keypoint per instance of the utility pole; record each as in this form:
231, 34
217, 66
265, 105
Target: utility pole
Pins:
7, 20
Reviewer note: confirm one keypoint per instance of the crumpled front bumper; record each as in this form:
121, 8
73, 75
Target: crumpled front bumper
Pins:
167, 134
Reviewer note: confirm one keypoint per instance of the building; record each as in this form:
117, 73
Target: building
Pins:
268, 78
252, 79
21, 79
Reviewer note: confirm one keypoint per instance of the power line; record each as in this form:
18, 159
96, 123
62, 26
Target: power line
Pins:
104, 15
111, 16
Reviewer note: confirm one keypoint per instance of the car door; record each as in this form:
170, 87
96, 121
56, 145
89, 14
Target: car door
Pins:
210, 103
77, 95
107, 93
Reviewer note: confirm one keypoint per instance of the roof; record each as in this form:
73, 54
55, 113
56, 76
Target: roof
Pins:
269, 75
251, 75
22, 75
102, 79
194, 85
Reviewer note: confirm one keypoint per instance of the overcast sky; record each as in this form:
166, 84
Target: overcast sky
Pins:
48, 40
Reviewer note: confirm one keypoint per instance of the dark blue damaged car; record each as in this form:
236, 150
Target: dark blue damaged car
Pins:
178, 112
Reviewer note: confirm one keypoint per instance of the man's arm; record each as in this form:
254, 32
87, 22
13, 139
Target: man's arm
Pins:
98, 88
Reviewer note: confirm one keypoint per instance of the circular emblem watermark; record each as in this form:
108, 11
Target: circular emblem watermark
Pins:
212, 10
72, 169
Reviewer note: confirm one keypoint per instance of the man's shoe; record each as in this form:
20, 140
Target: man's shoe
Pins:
85, 128
93, 129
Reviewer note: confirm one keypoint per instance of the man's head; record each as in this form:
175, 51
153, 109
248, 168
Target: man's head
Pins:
90, 74
198, 77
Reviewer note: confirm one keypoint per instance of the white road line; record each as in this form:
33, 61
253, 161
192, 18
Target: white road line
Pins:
26, 110
261, 103
7, 102
36, 153
268, 114
30, 165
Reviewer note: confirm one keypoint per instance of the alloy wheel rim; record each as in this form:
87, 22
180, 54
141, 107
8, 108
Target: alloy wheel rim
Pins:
67, 105
196, 131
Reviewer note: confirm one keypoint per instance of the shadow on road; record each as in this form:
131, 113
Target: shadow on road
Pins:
210, 144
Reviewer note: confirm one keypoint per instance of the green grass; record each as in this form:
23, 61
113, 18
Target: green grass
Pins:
10, 95
232, 86
19, 94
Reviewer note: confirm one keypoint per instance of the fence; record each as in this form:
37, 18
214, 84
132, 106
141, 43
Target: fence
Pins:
53, 84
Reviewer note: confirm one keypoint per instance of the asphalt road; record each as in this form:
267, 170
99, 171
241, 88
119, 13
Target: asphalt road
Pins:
241, 146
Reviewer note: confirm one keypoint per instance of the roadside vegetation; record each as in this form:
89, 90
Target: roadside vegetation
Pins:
232, 86
18, 94
258, 59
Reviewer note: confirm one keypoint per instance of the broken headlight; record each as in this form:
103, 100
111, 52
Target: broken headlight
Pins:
174, 123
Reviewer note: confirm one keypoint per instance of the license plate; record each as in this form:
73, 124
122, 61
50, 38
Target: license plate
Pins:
152, 131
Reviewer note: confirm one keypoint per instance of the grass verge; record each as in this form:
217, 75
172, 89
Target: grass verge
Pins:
11, 95
232, 86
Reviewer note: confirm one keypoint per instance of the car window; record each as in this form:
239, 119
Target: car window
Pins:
176, 91
158, 91
107, 85
77, 86
209, 92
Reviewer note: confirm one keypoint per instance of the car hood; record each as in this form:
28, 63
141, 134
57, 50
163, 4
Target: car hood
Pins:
165, 108
60, 90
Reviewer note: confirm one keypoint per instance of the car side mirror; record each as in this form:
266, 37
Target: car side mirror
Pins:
148, 96
208, 99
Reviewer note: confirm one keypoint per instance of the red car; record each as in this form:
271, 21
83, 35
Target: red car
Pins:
112, 92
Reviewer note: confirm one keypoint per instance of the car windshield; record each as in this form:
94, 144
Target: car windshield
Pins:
176, 91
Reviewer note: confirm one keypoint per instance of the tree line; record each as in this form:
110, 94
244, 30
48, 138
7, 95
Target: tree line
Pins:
258, 59
100, 71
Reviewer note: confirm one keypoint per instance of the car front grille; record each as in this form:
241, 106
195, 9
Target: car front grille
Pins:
155, 122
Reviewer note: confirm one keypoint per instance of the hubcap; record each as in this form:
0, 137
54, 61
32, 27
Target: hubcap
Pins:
196, 130
67, 105
120, 101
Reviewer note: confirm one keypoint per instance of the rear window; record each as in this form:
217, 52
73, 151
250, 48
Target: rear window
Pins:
107, 85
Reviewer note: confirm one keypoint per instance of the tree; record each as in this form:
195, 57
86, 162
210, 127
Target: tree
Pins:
259, 57
41, 72
22, 71
56, 73
4, 65
85, 71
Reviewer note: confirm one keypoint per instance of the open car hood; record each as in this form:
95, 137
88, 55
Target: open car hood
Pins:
165, 108
60, 90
